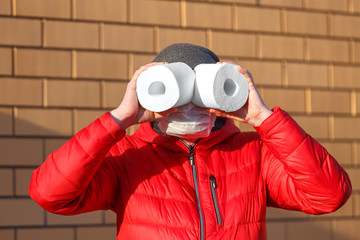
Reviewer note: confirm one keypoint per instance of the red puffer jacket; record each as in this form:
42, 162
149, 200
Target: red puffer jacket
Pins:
217, 189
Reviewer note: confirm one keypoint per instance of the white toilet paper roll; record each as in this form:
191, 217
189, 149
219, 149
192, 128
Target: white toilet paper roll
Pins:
220, 86
165, 86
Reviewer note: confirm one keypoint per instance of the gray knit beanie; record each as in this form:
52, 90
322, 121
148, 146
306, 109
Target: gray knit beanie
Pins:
190, 54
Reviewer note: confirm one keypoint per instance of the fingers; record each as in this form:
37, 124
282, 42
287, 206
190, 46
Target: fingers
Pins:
217, 112
237, 115
246, 73
132, 83
227, 62
242, 70
145, 67
220, 113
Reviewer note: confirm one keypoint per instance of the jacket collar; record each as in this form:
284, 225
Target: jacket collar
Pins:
147, 134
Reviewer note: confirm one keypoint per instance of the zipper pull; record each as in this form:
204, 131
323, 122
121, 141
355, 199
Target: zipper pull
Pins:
212, 181
191, 156
213, 186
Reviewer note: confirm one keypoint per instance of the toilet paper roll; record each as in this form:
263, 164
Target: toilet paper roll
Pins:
165, 86
220, 86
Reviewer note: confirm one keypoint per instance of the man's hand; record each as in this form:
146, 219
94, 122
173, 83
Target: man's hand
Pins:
254, 112
130, 111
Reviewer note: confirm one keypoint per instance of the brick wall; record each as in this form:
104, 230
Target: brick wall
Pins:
65, 62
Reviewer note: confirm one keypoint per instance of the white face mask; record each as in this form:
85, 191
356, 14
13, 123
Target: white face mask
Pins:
189, 121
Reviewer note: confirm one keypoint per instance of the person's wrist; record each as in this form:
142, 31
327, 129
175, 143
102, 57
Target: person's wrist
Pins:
121, 119
261, 117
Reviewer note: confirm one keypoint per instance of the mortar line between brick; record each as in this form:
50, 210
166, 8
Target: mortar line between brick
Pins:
130, 59
156, 39
75, 233
353, 103
103, 218
352, 51
234, 17
262, 93
129, 17
308, 101
46, 219
209, 42
13, 7
102, 94
14, 61
139, 23
14, 181
183, 21
331, 81
329, 18
44, 92
258, 49
43, 33
354, 154
73, 9
331, 126
43, 150
14, 117
305, 4
240, 31
284, 74
54, 226
306, 49
16, 233
283, 21
355, 203
350, 6
101, 36
286, 230
37, 107
73, 64
74, 117
332, 227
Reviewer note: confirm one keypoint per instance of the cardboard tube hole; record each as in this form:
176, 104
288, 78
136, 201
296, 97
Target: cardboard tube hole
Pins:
230, 87
157, 88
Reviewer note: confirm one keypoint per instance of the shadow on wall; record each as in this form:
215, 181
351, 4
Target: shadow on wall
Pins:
26, 148
294, 225
45, 122
20, 154
300, 226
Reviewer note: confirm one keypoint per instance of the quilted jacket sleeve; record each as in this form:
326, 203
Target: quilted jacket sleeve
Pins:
77, 171
300, 174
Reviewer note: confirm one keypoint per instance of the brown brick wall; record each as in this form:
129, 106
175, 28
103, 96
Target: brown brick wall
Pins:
65, 62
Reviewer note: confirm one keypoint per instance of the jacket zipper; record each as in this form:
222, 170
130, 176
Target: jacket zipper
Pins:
193, 168
213, 186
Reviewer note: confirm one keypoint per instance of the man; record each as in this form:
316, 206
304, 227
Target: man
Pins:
164, 182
